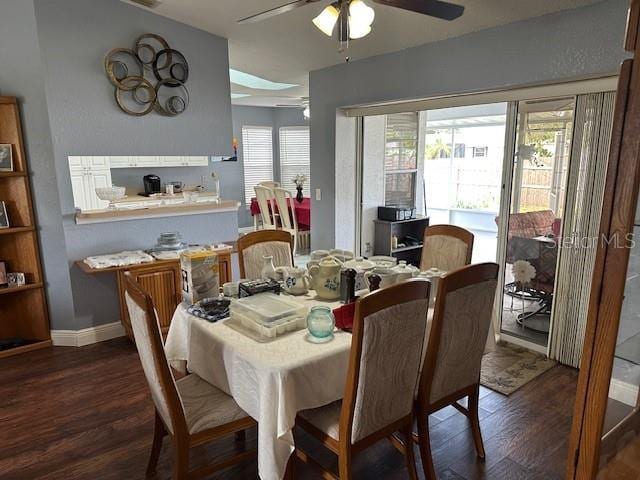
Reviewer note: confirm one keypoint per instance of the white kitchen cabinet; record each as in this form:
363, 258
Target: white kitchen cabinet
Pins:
98, 179
172, 161
120, 162
133, 161
98, 163
185, 161
145, 161
76, 163
198, 161
79, 190
87, 174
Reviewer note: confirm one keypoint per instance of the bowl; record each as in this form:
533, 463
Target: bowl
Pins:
110, 194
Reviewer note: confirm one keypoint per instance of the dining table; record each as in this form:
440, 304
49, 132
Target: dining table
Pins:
271, 381
302, 209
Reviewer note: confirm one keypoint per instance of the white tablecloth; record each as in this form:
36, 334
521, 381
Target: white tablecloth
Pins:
272, 382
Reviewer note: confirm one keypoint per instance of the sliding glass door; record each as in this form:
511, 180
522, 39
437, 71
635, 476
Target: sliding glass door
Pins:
523, 177
540, 165
463, 159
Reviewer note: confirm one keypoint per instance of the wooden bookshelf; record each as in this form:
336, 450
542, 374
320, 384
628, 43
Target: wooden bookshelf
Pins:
23, 310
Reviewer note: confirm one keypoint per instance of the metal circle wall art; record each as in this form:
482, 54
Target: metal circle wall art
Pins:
132, 71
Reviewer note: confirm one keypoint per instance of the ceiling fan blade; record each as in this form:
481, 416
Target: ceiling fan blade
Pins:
433, 8
287, 7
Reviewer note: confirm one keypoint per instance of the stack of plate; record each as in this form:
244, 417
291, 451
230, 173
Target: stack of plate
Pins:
170, 241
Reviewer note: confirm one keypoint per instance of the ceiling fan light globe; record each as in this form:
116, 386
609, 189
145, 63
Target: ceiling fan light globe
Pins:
362, 12
327, 20
358, 30
306, 113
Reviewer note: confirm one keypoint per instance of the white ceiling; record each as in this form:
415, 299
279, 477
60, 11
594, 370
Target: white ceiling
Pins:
287, 47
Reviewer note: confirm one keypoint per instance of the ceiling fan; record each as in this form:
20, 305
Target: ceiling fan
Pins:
354, 17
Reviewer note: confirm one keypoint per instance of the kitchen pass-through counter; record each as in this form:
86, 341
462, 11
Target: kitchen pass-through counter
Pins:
138, 207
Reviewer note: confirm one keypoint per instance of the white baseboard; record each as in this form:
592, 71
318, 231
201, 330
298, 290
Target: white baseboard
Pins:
624, 392
87, 336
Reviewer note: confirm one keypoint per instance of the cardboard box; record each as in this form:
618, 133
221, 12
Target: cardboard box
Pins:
200, 276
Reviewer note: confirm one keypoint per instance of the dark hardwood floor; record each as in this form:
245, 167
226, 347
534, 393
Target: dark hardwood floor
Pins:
85, 413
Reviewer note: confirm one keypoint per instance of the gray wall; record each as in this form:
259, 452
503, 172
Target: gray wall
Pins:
74, 36
22, 76
566, 45
261, 116
56, 53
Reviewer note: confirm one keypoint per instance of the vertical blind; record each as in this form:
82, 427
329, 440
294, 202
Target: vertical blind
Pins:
257, 155
295, 157
581, 222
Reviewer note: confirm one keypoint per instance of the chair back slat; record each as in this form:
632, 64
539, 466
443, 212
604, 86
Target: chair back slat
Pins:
386, 352
460, 325
286, 210
265, 198
148, 339
446, 247
253, 246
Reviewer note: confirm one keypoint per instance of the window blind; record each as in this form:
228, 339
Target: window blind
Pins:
400, 159
295, 157
257, 155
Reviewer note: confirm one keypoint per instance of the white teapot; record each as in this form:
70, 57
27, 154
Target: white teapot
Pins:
325, 278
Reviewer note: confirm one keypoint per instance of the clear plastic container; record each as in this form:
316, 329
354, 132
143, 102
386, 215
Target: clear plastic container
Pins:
268, 309
262, 333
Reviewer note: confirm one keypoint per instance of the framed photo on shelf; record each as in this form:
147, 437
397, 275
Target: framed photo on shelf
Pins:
3, 274
16, 279
6, 157
4, 218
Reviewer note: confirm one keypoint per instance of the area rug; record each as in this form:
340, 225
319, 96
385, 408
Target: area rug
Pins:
629, 350
509, 367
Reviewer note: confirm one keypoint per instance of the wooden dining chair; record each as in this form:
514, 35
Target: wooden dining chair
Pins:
190, 411
265, 198
451, 371
287, 214
446, 247
383, 374
253, 247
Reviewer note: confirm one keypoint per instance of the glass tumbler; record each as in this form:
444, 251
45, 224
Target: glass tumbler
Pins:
320, 323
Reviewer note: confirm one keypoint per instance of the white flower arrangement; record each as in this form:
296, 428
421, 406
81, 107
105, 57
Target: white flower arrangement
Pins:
523, 272
299, 180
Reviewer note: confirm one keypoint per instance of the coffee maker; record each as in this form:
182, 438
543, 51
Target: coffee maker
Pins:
151, 184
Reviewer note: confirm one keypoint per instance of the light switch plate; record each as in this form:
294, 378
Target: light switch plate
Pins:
318, 194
